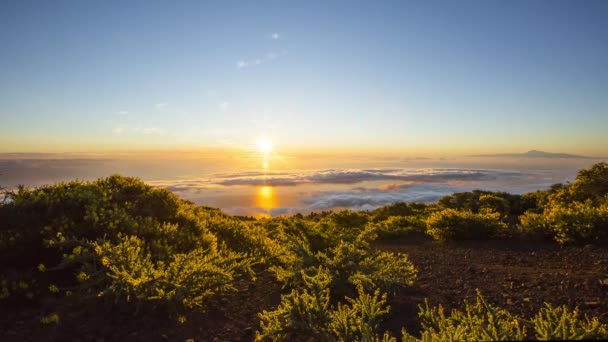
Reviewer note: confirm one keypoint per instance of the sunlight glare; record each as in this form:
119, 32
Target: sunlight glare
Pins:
264, 145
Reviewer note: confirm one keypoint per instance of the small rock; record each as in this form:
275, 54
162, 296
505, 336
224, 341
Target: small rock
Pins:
592, 302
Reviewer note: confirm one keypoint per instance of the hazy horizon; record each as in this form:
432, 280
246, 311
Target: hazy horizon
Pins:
264, 185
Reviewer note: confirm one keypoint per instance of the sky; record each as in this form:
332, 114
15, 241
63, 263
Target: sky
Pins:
393, 77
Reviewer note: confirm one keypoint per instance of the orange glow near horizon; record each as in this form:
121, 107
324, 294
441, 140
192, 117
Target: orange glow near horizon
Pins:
265, 198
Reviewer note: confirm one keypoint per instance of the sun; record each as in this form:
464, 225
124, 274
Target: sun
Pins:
264, 145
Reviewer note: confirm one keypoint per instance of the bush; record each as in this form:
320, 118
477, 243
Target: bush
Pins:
305, 314
349, 264
591, 183
450, 224
494, 203
126, 242
560, 324
185, 282
398, 209
479, 322
484, 322
573, 223
533, 226
477, 200
396, 227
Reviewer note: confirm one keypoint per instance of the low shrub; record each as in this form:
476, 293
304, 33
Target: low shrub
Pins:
450, 224
478, 322
485, 322
305, 314
396, 227
575, 222
558, 323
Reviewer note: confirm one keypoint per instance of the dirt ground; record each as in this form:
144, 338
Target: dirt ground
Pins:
515, 275
518, 276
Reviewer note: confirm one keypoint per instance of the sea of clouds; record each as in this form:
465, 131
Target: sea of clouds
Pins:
360, 189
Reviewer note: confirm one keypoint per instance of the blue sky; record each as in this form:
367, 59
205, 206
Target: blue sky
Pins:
413, 77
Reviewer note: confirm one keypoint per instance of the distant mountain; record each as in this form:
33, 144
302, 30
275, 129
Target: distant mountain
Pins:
532, 154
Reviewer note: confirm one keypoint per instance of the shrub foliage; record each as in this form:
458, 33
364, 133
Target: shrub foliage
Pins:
126, 244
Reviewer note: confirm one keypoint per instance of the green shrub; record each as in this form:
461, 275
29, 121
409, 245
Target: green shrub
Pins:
494, 203
302, 314
398, 209
358, 320
50, 319
560, 324
591, 184
450, 224
534, 226
127, 242
396, 227
478, 322
572, 223
477, 200
184, 282
305, 314
484, 322
349, 264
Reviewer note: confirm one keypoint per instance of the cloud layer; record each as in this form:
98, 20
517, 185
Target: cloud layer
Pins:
353, 176
357, 189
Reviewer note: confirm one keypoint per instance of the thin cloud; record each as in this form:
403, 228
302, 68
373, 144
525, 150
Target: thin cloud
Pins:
409, 177
122, 112
353, 176
119, 129
161, 105
223, 106
270, 56
274, 36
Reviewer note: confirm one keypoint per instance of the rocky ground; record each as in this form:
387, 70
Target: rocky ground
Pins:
518, 276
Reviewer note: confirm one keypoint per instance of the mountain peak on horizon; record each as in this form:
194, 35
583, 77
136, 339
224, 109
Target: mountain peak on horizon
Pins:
533, 154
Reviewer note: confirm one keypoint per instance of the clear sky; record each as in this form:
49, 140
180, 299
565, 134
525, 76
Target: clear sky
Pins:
411, 77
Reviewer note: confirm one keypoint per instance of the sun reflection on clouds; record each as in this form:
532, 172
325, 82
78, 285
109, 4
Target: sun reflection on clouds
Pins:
265, 198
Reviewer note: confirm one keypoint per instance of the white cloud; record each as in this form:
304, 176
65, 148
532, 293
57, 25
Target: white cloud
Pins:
413, 177
161, 105
119, 129
275, 36
223, 106
402, 185
270, 56
353, 176
122, 112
